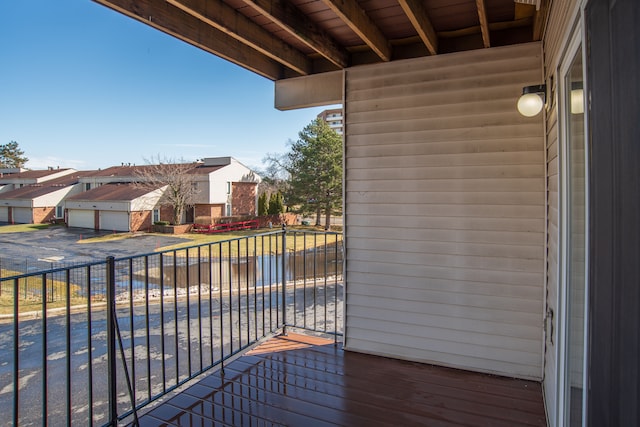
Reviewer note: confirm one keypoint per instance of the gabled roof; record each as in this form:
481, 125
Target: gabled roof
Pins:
115, 171
31, 175
134, 170
200, 169
32, 191
112, 192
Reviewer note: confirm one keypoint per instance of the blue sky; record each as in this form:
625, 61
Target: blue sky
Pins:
85, 87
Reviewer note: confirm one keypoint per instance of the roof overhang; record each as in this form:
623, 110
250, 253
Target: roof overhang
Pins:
282, 39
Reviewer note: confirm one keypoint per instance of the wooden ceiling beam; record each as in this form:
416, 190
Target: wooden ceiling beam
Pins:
226, 19
484, 22
357, 19
161, 15
539, 20
417, 14
290, 19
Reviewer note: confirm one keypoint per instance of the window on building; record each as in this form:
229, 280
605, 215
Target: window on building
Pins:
228, 209
59, 211
87, 186
156, 215
228, 188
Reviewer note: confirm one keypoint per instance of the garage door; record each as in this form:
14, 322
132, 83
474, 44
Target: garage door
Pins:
81, 218
22, 215
114, 221
4, 214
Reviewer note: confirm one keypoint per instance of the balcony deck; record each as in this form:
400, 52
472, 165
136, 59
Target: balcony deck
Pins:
306, 381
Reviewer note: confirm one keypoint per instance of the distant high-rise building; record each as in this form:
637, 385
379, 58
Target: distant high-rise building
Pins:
333, 118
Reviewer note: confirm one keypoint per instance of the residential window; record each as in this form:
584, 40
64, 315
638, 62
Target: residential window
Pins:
59, 211
228, 187
228, 209
156, 215
87, 186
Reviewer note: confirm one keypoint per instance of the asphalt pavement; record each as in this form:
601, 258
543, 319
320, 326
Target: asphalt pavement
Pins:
61, 246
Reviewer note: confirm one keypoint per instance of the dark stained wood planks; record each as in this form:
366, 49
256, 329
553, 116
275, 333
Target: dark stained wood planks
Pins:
299, 380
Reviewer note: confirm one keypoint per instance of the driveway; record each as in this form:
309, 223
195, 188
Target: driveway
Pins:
57, 246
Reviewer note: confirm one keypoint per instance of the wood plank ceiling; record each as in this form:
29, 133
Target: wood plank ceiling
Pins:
279, 39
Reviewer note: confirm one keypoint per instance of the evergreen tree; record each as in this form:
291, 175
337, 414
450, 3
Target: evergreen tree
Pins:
11, 156
263, 205
276, 204
314, 164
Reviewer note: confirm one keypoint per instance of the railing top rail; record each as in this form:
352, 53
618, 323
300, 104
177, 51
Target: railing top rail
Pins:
51, 271
200, 245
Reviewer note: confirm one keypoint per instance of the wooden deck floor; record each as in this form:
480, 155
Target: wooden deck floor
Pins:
303, 381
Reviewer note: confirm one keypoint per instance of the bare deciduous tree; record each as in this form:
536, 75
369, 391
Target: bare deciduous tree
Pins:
176, 176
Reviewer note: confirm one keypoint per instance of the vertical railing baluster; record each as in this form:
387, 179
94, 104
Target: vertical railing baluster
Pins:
188, 284
239, 296
278, 280
335, 296
304, 282
162, 338
315, 283
326, 273
262, 281
132, 328
220, 273
68, 342
147, 324
246, 257
294, 273
284, 280
200, 307
210, 248
271, 285
230, 300
175, 314
16, 353
111, 342
255, 286
44, 348
89, 349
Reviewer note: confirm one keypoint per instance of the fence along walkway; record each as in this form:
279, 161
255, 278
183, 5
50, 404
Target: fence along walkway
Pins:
127, 331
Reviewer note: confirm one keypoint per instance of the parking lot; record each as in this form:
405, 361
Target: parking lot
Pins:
59, 245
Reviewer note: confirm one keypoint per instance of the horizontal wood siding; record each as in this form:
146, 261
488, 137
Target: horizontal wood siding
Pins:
445, 213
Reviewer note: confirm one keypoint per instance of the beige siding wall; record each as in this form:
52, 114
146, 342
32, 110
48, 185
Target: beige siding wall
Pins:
445, 212
561, 18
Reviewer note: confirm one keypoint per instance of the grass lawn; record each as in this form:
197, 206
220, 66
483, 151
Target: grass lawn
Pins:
296, 241
21, 228
32, 301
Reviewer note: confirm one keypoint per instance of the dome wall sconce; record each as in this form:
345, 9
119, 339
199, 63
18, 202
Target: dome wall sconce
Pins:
532, 100
577, 98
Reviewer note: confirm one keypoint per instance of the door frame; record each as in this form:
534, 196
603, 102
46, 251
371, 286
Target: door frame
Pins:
576, 42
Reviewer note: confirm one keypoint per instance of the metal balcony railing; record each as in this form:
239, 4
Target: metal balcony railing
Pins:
92, 344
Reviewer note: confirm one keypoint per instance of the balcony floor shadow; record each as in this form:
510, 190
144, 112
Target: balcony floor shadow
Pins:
298, 380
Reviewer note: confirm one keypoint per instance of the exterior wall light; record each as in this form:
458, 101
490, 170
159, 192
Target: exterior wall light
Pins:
577, 98
532, 100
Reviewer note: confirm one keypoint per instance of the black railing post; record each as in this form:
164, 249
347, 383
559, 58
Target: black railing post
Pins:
284, 279
111, 342
16, 354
